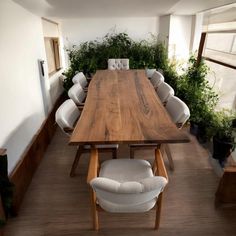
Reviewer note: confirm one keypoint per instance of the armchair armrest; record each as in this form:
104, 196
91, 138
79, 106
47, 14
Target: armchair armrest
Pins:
93, 165
161, 170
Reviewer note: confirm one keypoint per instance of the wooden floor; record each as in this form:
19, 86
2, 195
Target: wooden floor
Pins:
56, 204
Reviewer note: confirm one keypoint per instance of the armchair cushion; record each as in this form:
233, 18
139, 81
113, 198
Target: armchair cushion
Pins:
145, 185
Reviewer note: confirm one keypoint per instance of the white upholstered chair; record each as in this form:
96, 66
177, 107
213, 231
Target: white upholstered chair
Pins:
66, 117
149, 72
157, 79
80, 78
118, 64
164, 92
179, 113
126, 186
77, 94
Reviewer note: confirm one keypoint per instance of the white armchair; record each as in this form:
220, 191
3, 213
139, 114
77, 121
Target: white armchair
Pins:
157, 79
118, 64
164, 92
149, 72
179, 113
126, 186
80, 78
66, 117
77, 94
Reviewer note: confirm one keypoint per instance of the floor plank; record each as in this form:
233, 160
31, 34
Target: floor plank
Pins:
56, 204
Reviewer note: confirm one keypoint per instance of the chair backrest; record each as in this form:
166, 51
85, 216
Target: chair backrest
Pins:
128, 193
150, 72
118, 64
80, 78
178, 110
156, 79
67, 114
165, 91
77, 94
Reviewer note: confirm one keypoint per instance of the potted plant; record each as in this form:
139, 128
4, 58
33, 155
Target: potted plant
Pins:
224, 136
194, 89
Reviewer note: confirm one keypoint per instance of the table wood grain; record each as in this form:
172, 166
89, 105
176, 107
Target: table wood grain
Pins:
122, 107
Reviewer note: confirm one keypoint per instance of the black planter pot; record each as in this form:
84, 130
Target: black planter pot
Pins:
199, 131
201, 136
222, 149
194, 129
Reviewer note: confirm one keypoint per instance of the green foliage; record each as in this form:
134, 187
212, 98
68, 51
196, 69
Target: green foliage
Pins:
194, 89
222, 125
93, 55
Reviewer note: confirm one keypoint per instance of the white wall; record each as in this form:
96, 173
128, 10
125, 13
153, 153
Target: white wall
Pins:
164, 29
76, 31
21, 104
180, 37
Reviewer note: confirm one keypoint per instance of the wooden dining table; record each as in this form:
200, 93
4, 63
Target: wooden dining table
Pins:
123, 107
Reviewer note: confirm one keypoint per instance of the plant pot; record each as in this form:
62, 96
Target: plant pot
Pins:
222, 149
201, 136
194, 128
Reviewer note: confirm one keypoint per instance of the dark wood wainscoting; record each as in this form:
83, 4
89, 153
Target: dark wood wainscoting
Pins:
22, 175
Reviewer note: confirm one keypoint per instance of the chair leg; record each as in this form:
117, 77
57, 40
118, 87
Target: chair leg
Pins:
131, 152
76, 161
169, 156
158, 211
114, 153
94, 211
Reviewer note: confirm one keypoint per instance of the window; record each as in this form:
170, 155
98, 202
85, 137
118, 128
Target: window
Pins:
53, 55
218, 48
52, 45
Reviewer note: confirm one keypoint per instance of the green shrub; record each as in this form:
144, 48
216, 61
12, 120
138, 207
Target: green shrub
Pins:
93, 55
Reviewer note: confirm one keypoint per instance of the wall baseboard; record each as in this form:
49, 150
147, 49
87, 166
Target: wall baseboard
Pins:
23, 173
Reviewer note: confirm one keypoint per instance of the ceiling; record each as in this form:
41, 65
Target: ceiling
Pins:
117, 8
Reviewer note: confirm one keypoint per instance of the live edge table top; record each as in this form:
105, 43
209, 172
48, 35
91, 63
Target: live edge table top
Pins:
123, 107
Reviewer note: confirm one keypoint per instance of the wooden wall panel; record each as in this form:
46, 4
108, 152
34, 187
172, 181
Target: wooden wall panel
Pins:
31, 158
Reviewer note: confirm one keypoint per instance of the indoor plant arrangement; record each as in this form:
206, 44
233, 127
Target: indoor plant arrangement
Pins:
92, 55
224, 132
195, 91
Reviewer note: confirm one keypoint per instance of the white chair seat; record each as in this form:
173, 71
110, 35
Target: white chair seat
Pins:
102, 146
135, 170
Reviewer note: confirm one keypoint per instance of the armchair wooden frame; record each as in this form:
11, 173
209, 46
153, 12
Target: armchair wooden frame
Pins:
82, 150
93, 171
